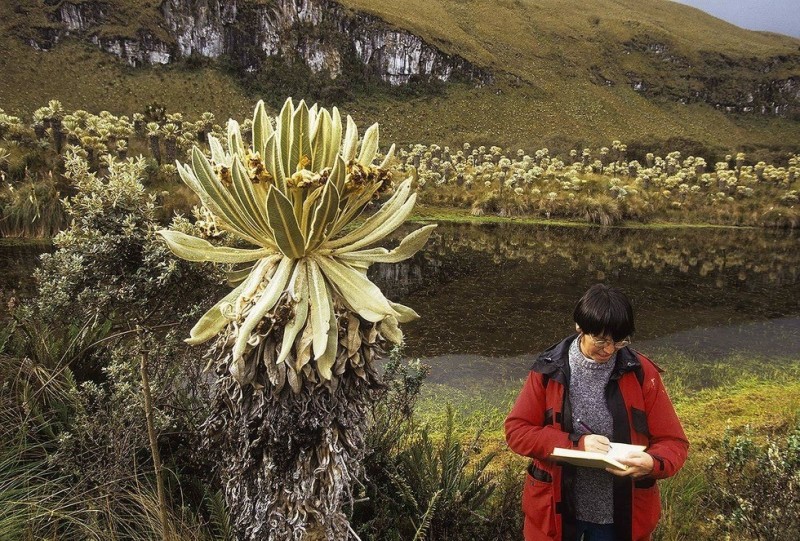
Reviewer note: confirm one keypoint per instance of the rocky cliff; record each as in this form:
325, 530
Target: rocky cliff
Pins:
766, 86
334, 43
320, 33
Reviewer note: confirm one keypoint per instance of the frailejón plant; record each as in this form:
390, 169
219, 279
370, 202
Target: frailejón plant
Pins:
291, 194
302, 312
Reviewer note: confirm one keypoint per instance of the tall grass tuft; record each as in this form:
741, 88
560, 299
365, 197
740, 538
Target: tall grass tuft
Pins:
683, 505
448, 472
42, 494
424, 482
31, 209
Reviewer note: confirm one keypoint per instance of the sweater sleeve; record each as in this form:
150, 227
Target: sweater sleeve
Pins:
668, 443
526, 432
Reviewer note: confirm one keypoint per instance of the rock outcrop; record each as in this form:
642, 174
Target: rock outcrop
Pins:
320, 33
767, 86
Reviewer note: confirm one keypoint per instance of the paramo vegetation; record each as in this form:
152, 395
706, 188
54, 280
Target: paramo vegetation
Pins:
603, 186
101, 342
607, 186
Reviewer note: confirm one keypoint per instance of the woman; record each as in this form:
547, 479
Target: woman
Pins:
583, 393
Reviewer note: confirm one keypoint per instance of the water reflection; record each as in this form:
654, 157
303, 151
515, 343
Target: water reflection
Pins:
490, 296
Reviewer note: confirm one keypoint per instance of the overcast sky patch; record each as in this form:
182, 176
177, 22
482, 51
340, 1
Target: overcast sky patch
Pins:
781, 16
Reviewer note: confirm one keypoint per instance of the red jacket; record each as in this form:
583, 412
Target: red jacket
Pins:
541, 420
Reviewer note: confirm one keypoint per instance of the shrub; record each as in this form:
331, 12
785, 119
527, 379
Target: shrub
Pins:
421, 484
757, 486
71, 397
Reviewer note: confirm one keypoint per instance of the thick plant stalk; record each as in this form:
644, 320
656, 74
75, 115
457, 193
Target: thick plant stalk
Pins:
289, 457
151, 434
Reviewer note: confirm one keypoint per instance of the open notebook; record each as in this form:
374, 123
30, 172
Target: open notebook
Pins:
590, 459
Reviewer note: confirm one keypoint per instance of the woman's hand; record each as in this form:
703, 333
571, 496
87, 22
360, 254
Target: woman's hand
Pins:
639, 464
596, 443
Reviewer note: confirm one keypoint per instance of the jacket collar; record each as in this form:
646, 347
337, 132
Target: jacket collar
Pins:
554, 361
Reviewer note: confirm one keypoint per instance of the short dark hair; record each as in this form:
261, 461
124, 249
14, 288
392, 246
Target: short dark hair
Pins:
605, 311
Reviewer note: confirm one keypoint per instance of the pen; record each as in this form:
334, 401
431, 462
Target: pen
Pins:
586, 427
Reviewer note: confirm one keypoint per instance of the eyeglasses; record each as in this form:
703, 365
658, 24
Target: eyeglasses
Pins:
602, 344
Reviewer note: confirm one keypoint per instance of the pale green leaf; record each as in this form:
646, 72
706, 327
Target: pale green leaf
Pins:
352, 207
218, 155
273, 163
350, 141
261, 272
190, 179
262, 128
307, 215
221, 197
391, 330
335, 142
361, 295
404, 314
313, 117
375, 221
360, 266
320, 307
284, 139
244, 199
298, 286
392, 222
285, 229
326, 361
236, 277
338, 174
301, 137
369, 146
252, 205
212, 322
194, 249
235, 142
321, 141
325, 214
387, 160
266, 301
409, 246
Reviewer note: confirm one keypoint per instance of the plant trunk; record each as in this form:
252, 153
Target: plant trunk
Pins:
155, 148
289, 447
170, 149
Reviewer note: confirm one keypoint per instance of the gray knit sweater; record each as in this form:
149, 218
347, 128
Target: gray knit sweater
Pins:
594, 491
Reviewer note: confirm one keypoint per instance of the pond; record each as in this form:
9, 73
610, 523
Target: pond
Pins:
491, 296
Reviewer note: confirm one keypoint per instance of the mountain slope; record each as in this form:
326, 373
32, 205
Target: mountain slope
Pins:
564, 72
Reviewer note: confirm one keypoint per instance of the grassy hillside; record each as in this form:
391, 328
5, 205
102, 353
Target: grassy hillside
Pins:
524, 36
562, 74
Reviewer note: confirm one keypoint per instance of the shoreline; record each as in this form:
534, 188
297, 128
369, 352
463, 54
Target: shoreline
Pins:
429, 213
